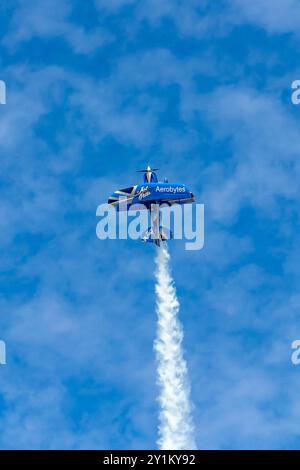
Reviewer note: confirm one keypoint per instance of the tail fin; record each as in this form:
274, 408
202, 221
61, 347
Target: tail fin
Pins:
151, 237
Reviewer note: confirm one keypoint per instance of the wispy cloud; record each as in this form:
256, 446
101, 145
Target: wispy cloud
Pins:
180, 84
52, 19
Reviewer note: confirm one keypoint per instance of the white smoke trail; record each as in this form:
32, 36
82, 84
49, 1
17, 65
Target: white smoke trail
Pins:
176, 430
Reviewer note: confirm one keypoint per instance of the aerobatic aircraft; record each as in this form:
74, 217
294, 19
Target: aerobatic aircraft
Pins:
151, 195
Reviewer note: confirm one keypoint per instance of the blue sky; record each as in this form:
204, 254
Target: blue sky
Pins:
96, 90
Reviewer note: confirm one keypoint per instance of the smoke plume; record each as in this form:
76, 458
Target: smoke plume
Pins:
176, 430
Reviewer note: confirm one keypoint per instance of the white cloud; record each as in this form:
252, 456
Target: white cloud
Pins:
265, 162
51, 19
276, 16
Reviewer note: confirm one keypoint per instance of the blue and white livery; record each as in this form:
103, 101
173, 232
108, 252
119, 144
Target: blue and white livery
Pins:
151, 195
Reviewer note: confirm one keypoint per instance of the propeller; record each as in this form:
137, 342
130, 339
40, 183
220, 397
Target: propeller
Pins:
149, 174
147, 169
